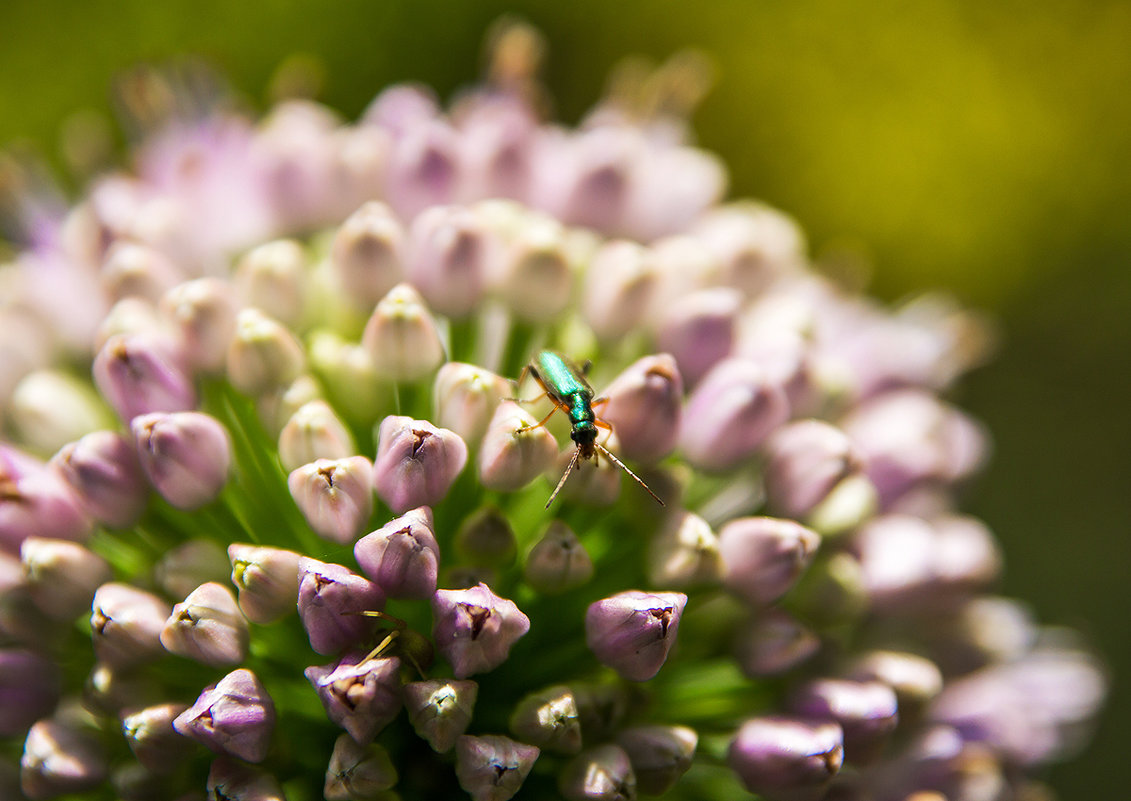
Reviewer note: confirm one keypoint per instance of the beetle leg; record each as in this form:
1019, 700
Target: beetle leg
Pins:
605, 425
539, 424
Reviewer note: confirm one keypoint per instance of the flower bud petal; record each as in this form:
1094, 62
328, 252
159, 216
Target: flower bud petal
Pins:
603, 773
126, 624
358, 771
685, 553
36, 501
130, 316
263, 354
62, 576
866, 711
548, 719
558, 562
449, 251
493, 767
632, 632
150, 735
335, 496
185, 455
515, 449
465, 398
659, 755
59, 759
786, 759
208, 627
347, 372
132, 269
474, 629
49, 408
773, 642
915, 680
360, 695
537, 272
402, 338
103, 470
139, 373
236, 781
234, 716
807, 459
755, 244
416, 462
202, 312
267, 581
440, 710
314, 432
30, 685
331, 601
645, 408
700, 330
184, 568
424, 168
620, 286
486, 539
365, 255
272, 277
764, 556
402, 556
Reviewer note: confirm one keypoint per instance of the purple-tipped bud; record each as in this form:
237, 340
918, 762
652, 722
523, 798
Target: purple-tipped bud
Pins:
139, 373
867, 712
150, 735
331, 603
360, 695
62, 576
730, 413
515, 449
764, 556
358, 771
603, 773
755, 244
440, 710
335, 496
449, 253
234, 716
465, 398
267, 581
272, 277
203, 315
230, 780
49, 408
366, 255
645, 408
915, 680
59, 759
424, 169
632, 632
185, 455
29, 689
208, 626
659, 755
416, 462
548, 719
700, 330
402, 556
132, 269
493, 767
184, 568
620, 288
787, 759
36, 501
807, 460
474, 629
126, 623
773, 642
263, 354
537, 274
558, 562
103, 470
402, 338
685, 553
314, 432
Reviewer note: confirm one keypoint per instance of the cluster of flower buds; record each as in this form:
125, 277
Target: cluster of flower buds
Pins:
303, 510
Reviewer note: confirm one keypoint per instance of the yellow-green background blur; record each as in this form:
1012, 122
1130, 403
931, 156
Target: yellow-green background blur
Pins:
983, 147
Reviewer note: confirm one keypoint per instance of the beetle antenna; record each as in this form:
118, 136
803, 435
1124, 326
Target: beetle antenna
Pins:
623, 467
565, 475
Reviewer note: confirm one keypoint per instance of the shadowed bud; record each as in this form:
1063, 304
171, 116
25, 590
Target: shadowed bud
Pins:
348, 373
474, 629
314, 432
229, 780
486, 539
659, 755
126, 623
360, 695
465, 398
416, 462
700, 329
685, 553
150, 735
139, 373
49, 408
335, 496
365, 255
832, 591
914, 679
36, 501
29, 689
773, 642
111, 691
645, 408
448, 256
132, 269
764, 556
440, 710
536, 274
558, 562
620, 286
184, 568
515, 449
866, 711
267, 581
202, 312
786, 759
331, 600
603, 773
234, 716
402, 556
601, 708
263, 354
730, 413
272, 277
59, 759
185, 455
548, 719
208, 627
358, 771
402, 338
62, 576
493, 767
632, 632
103, 470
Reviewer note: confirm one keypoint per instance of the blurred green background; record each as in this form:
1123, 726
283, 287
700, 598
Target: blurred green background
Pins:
980, 147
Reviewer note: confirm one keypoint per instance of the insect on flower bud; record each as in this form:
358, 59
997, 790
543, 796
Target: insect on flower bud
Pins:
272, 277
465, 398
366, 255
331, 603
335, 496
185, 455
515, 449
263, 354
234, 716
140, 373
440, 710
402, 338
493, 767
358, 771
632, 632
208, 626
416, 462
474, 629
361, 695
267, 581
103, 470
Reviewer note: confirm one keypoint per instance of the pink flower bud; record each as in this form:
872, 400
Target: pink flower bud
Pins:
272, 277
185, 456
645, 408
773, 642
764, 556
267, 581
150, 735
465, 398
360, 695
685, 553
234, 716
36, 501
440, 710
126, 624
474, 629
314, 432
423, 168
787, 759
755, 244
632, 632
331, 602
103, 470
366, 255
537, 274
402, 556
263, 354
237, 781
139, 373
358, 771
620, 287
548, 719
203, 314
416, 462
558, 562
449, 252
493, 767
660, 755
335, 496
59, 759
187, 566
207, 626
866, 711
401, 337
515, 449
50, 408
699, 330
62, 575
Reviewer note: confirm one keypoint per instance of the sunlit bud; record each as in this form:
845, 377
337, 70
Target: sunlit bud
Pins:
645, 407
465, 398
587, 179
139, 373
358, 771
267, 581
448, 255
402, 338
103, 470
366, 254
36, 501
348, 372
474, 629
263, 355
60, 759
685, 553
915, 680
132, 269
208, 627
203, 314
49, 408
515, 449
234, 716
440, 709
331, 603
659, 755
866, 711
969, 559
764, 556
754, 244
272, 277
335, 496
185, 455
402, 556
62, 576
423, 168
603, 773
548, 719
150, 735
558, 562
416, 462
787, 759
30, 684
360, 695
620, 285
314, 432
730, 413
773, 642
493, 767
632, 632
230, 780
807, 459
126, 624
128, 316
184, 568
699, 330
536, 275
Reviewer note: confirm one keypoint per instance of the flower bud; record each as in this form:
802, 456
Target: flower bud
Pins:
185, 455
126, 624
202, 312
754, 244
659, 755
127, 317
424, 168
515, 449
474, 629
915, 680
465, 398
132, 269
764, 556
400, 107
331, 603
59, 759
314, 432
699, 330
361, 695
601, 708
272, 278
62, 576
440, 710
349, 375
103, 470
632, 632
230, 780
402, 338
30, 684
685, 553
497, 138
493, 767
358, 771
449, 252
49, 408
150, 735
537, 273
773, 642
184, 568
416, 462
110, 690
263, 354
807, 459
786, 759
208, 627
620, 286
548, 719
832, 591
267, 581
234, 716
645, 408
402, 556
138, 374
365, 255
867, 712
603, 773
335, 496
558, 562
36, 501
